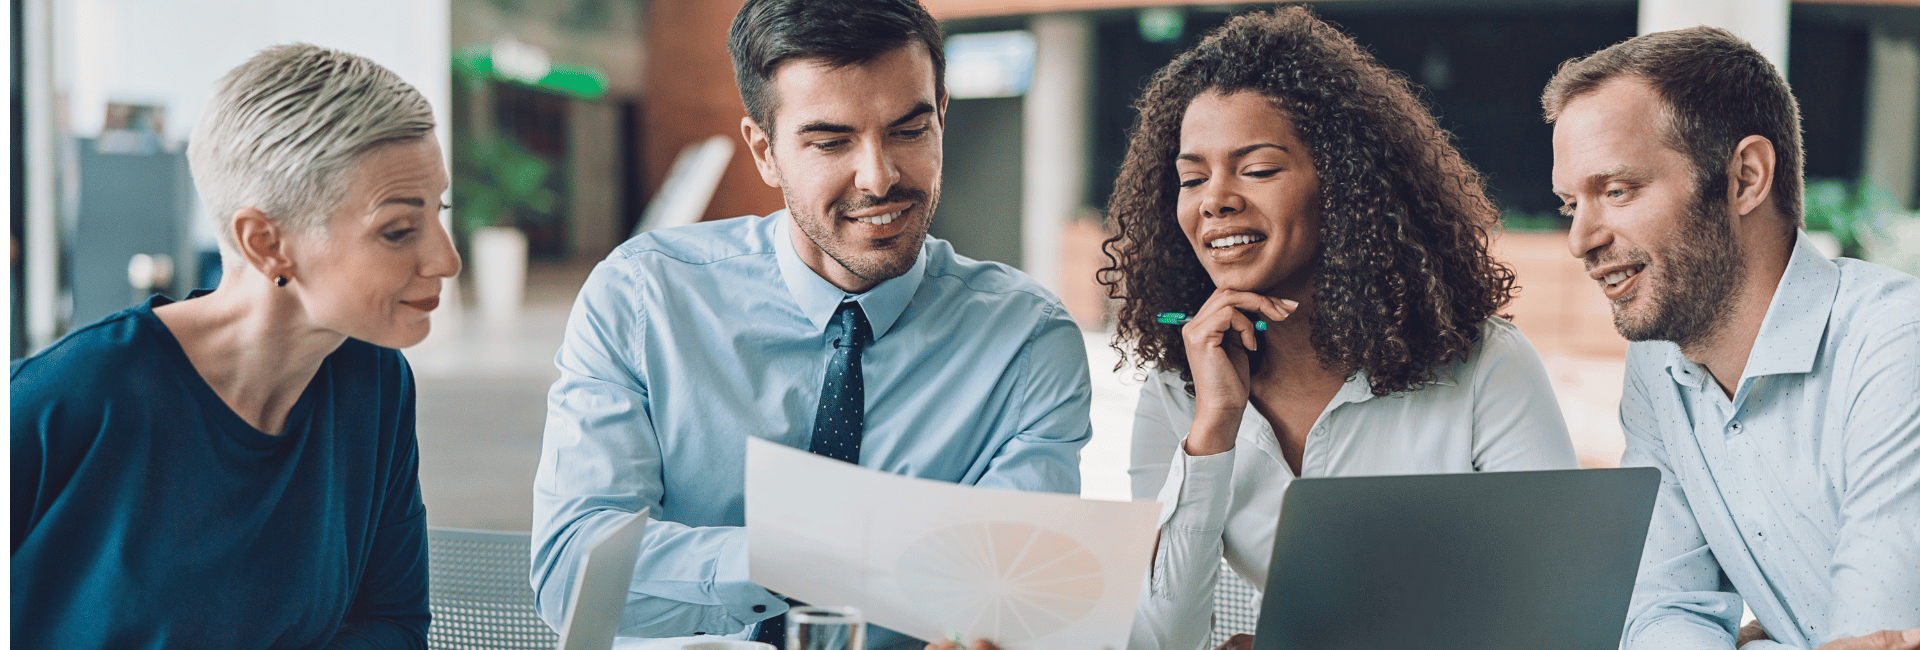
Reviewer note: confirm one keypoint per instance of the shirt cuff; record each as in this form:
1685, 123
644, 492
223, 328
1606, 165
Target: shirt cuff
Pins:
1198, 490
742, 603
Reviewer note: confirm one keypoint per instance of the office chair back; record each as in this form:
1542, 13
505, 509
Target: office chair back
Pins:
479, 594
1235, 608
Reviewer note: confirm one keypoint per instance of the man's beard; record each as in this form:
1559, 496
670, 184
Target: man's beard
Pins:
1701, 275
874, 266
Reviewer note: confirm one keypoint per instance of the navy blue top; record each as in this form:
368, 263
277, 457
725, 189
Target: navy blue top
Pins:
147, 514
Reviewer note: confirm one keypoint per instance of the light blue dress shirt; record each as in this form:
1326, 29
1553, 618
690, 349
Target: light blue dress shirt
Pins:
1801, 495
684, 342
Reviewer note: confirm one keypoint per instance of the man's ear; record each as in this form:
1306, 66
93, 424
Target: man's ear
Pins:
1750, 174
761, 147
261, 243
941, 113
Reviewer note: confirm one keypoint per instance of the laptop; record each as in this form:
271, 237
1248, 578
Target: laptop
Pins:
1487, 561
600, 588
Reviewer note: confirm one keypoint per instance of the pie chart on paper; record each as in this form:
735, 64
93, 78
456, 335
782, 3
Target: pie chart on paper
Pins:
1006, 581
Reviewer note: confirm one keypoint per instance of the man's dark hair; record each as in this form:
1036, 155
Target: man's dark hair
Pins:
1717, 90
768, 33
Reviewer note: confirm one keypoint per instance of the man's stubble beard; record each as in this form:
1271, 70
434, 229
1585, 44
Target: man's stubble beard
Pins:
1701, 275
878, 266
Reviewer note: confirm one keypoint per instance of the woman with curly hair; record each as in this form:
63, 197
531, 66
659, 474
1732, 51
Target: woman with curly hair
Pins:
1292, 196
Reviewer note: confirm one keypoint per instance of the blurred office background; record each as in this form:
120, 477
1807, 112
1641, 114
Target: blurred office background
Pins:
570, 123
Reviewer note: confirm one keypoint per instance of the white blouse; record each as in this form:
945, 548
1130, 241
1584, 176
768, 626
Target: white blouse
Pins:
1495, 411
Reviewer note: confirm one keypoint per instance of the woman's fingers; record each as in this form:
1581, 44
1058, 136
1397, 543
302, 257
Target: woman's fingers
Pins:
1248, 339
1226, 311
1279, 308
1219, 329
1271, 309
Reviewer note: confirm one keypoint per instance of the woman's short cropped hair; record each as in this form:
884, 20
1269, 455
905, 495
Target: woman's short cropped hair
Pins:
284, 127
1403, 278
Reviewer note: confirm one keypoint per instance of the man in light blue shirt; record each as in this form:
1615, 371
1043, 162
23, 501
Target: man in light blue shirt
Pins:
1778, 391
685, 342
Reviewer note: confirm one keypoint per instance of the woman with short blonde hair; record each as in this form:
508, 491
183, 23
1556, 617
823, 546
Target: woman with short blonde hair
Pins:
239, 469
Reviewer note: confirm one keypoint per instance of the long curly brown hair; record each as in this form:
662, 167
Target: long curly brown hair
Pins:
1404, 279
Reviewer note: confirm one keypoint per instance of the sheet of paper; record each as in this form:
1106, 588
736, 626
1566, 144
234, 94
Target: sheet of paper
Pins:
1029, 571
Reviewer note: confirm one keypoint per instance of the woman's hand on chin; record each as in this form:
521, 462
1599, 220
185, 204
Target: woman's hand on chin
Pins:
1217, 340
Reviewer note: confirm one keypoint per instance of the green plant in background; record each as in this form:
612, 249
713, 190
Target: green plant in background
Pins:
497, 182
1516, 220
1844, 208
1867, 222
512, 62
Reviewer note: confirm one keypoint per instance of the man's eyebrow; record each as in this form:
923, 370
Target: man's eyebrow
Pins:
1622, 171
920, 109
822, 126
404, 200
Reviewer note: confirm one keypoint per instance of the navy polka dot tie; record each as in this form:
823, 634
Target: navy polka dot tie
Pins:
839, 422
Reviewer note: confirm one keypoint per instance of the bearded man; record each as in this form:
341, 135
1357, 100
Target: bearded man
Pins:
1777, 391
836, 325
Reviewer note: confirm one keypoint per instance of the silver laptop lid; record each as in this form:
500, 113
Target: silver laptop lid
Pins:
600, 588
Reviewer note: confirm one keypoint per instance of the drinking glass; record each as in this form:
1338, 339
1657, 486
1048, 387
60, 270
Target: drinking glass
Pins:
826, 628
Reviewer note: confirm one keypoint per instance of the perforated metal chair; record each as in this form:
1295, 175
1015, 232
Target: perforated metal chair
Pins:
1235, 610
477, 590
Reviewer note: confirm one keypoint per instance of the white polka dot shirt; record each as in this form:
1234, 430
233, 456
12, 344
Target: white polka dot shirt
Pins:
1800, 495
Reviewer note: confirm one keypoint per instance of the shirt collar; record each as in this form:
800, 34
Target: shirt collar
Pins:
819, 299
1683, 370
1795, 323
1359, 388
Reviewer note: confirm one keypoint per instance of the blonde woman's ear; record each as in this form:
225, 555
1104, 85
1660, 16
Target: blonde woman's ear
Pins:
262, 244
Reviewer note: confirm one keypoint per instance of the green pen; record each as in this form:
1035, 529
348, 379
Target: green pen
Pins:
1177, 318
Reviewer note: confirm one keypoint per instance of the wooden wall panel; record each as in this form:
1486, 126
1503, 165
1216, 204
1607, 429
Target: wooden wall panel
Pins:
689, 96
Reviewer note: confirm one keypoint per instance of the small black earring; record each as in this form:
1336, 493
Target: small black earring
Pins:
279, 280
